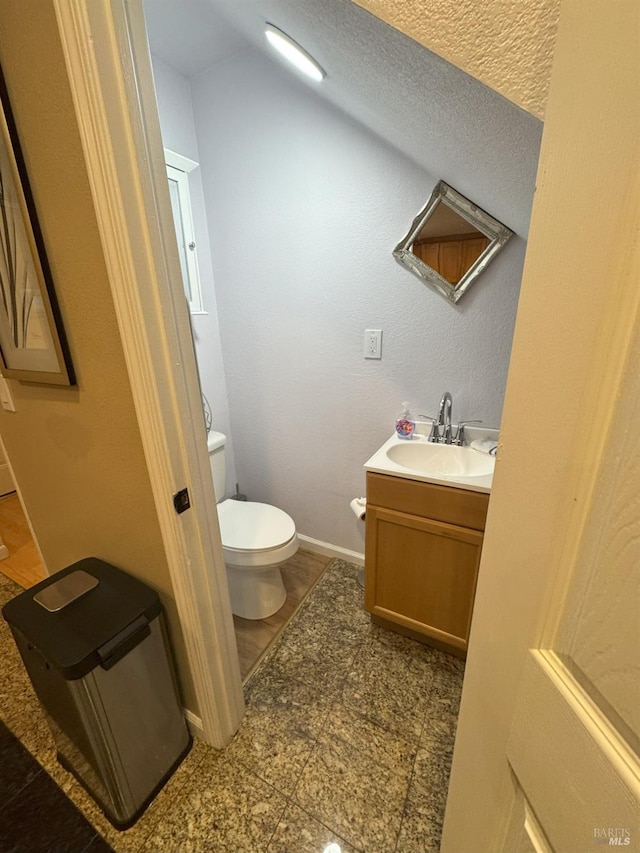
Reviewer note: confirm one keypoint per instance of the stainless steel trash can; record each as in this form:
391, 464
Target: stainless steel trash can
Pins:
93, 641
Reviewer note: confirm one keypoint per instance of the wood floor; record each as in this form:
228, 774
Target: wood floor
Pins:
23, 565
253, 636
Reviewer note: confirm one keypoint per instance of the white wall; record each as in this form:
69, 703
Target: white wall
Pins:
304, 208
173, 94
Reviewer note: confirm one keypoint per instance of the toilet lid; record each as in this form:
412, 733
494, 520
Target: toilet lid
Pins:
252, 526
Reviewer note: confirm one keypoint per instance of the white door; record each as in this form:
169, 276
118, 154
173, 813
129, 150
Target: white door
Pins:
574, 742
546, 755
575, 733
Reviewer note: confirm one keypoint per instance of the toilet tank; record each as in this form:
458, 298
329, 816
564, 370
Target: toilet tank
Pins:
215, 445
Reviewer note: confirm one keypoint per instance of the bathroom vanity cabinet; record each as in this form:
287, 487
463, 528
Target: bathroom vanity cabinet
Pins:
422, 552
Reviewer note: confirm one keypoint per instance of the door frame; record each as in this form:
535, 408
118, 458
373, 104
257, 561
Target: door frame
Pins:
107, 58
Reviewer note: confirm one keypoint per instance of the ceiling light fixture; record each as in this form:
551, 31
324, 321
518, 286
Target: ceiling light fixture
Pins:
294, 53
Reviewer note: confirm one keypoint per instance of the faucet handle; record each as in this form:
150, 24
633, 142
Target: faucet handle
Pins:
460, 437
434, 435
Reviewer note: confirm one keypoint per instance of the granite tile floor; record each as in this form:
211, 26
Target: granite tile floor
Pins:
348, 739
255, 636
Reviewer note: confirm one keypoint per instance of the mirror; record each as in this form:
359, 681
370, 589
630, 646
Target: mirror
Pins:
450, 242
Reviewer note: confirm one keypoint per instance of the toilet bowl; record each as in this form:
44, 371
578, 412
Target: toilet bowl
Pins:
257, 539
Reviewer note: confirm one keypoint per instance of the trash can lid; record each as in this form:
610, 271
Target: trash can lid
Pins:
69, 638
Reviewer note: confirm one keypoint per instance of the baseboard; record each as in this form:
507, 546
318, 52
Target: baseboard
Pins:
194, 724
328, 550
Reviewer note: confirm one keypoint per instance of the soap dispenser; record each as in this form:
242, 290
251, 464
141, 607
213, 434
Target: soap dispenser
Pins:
405, 425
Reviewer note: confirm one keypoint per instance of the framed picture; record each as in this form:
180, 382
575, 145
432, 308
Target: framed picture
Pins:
33, 346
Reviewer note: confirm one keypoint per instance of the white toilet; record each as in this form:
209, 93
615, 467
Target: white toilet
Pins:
256, 539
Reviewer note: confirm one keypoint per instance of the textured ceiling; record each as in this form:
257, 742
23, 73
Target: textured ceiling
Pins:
444, 120
507, 44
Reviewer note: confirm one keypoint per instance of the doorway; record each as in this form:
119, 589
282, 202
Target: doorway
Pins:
20, 557
110, 79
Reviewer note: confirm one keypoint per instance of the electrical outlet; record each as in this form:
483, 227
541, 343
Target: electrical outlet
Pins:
6, 399
373, 343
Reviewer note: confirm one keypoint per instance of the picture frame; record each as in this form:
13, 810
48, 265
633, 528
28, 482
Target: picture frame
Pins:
33, 346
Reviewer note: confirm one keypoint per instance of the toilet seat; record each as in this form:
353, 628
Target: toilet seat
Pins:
255, 534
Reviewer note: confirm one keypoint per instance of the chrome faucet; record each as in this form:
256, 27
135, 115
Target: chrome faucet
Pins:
441, 426
444, 418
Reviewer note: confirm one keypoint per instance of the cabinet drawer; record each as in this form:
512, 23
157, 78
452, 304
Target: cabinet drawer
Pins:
442, 503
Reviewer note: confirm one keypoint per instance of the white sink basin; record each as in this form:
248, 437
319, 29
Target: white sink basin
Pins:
419, 459
441, 460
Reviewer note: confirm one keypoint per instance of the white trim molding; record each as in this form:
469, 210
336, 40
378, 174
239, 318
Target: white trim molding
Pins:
178, 169
179, 161
105, 47
194, 724
328, 550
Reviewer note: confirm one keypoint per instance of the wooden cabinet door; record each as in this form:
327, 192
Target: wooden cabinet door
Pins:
421, 574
